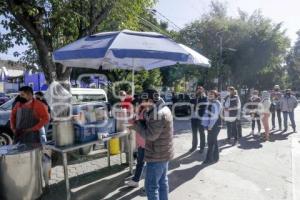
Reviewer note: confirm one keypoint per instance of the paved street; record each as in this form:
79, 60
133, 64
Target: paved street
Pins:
251, 170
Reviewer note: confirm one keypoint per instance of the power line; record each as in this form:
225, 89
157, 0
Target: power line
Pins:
155, 11
153, 26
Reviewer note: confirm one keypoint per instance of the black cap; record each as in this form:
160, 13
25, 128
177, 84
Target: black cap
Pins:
26, 89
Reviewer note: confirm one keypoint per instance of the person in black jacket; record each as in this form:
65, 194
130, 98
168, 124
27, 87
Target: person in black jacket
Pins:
199, 104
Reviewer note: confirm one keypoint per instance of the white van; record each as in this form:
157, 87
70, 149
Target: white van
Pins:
87, 95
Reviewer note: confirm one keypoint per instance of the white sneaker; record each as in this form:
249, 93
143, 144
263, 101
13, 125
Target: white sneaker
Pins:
132, 183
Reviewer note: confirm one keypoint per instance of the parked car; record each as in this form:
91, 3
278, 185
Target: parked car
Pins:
81, 97
3, 98
12, 95
181, 104
5, 131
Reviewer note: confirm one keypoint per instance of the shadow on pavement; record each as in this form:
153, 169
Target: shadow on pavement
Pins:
99, 184
281, 136
94, 185
179, 177
250, 142
176, 177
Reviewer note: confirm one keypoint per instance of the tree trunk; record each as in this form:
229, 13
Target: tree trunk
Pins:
52, 71
47, 65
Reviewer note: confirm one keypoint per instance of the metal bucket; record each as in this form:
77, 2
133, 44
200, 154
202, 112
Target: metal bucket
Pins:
21, 175
63, 133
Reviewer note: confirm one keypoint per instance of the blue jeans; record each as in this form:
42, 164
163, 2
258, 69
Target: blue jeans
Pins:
292, 119
156, 183
139, 165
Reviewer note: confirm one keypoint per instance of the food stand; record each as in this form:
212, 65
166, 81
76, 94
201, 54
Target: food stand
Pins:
65, 150
83, 127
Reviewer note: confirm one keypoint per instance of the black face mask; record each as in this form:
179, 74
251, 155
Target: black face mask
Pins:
22, 100
288, 94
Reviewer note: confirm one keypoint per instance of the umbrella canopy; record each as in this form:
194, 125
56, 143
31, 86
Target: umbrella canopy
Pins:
127, 50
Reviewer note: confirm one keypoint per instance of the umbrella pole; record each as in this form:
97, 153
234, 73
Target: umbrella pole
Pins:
132, 92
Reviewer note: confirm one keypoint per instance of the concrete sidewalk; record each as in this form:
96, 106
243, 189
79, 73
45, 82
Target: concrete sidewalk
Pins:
251, 170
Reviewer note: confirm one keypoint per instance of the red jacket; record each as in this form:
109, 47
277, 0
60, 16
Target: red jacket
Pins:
127, 103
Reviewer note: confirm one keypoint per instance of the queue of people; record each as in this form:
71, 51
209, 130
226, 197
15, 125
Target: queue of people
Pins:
153, 124
156, 132
259, 107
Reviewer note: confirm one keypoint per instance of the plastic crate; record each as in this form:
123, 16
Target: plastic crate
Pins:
85, 133
106, 126
89, 132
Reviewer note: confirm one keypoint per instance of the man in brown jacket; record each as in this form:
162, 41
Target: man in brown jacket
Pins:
157, 129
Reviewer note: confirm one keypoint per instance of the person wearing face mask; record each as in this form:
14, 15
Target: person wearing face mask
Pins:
28, 116
157, 129
199, 105
288, 103
253, 107
212, 122
275, 106
232, 107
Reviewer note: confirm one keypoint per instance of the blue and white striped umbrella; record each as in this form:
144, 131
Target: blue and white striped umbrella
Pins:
127, 50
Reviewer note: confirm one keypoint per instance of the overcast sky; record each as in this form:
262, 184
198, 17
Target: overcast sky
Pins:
182, 12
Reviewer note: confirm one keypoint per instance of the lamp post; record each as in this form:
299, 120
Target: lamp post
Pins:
220, 81
220, 68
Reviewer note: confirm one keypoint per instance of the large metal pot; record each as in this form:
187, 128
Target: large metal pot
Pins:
63, 133
21, 175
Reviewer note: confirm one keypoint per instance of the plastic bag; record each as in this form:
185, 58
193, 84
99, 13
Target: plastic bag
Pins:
60, 101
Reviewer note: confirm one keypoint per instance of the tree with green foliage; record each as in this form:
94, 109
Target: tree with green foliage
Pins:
253, 47
293, 66
45, 25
